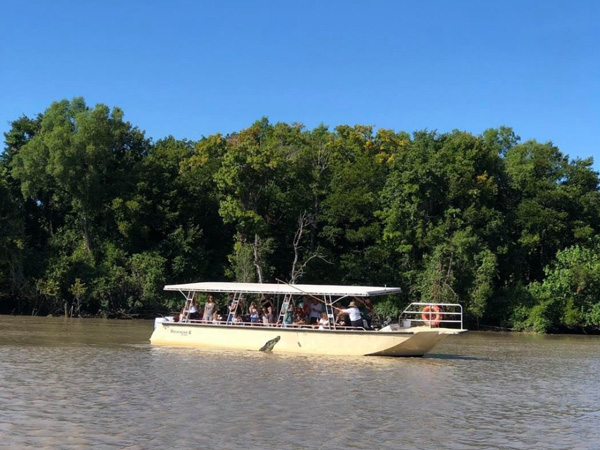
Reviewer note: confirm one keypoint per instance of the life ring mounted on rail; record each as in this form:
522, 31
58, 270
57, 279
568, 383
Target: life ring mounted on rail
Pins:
432, 315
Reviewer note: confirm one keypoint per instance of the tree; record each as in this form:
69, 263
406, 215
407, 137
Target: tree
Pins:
568, 298
12, 241
556, 204
97, 216
21, 132
79, 155
260, 191
351, 229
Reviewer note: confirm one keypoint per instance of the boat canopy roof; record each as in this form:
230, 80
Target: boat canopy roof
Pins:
283, 288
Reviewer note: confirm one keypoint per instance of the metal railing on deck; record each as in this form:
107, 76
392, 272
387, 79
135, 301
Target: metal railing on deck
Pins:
433, 314
270, 325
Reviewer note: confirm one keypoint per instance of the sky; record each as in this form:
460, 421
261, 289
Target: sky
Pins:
195, 68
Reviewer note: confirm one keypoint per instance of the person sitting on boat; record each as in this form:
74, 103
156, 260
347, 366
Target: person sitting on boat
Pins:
237, 319
324, 322
354, 314
299, 316
315, 310
209, 309
341, 320
254, 314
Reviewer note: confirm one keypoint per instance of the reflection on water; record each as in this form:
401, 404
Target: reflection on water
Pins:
76, 383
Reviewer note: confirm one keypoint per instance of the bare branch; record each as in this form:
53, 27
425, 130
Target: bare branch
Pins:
257, 259
297, 272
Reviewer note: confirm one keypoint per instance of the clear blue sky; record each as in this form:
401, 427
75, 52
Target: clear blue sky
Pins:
194, 68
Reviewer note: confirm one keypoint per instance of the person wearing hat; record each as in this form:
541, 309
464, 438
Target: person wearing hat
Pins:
353, 313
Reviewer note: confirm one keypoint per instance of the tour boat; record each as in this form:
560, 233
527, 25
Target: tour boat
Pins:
420, 327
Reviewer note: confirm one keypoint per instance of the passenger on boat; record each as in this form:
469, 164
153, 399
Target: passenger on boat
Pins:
237, 319
193, 311
324, 322
271, 315
209, 309
315, 310
354, 313
267, 315
254, 314
305, 305
230, 308
341, 320
242, 308
288, 317
366, 309
299, 316
266, 302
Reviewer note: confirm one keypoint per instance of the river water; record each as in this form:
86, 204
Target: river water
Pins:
76, 383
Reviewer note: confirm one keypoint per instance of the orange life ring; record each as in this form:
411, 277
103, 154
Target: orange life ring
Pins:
432, 315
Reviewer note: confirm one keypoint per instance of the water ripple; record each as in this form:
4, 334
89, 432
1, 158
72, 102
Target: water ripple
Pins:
75, 384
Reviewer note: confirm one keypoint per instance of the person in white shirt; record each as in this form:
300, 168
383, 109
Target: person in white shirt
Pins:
315, 310
323, 322
193, 312
353, 313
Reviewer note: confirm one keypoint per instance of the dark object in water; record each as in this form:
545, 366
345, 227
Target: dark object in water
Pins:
270, 344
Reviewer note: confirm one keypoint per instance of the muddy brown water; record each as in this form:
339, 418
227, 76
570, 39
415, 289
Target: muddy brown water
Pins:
78, 383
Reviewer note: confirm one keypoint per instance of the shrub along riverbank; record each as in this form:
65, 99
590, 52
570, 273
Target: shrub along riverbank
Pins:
99, 216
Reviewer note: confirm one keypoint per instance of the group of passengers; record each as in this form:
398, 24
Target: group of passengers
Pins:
308, 311
208, 312
254, 314
261, 316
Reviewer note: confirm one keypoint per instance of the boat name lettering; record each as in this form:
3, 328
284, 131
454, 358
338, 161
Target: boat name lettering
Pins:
182, 332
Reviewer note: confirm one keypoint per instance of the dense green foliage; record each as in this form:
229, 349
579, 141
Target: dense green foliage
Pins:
96, 217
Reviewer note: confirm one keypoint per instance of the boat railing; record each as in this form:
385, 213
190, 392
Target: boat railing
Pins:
433, 315
270, 325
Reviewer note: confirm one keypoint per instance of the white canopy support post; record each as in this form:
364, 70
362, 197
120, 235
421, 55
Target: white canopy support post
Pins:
232, 309
329, 311
189, 298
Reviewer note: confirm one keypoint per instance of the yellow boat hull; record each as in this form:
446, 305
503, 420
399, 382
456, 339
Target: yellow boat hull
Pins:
414, 341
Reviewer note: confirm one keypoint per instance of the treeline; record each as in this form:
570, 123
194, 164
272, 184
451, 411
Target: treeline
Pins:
96, 217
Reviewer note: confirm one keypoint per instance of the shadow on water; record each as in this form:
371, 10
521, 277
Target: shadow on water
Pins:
455, 357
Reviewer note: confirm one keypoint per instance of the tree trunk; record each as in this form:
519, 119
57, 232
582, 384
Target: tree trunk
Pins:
86, 234
257, 258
